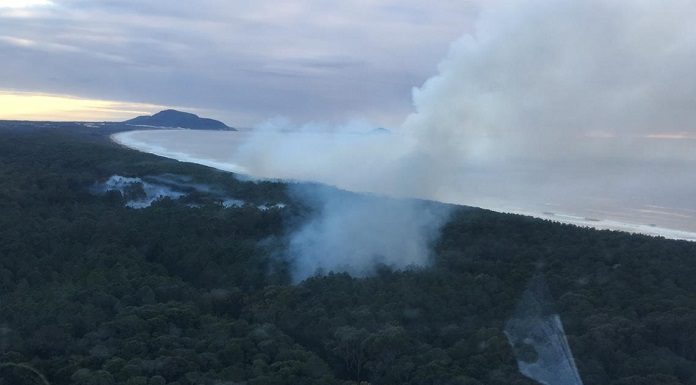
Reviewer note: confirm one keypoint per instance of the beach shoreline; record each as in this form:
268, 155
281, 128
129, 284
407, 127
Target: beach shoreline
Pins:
125, 139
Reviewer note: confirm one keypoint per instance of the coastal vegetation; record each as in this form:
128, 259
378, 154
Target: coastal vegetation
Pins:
188, 291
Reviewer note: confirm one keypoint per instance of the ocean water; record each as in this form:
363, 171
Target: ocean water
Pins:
653, 195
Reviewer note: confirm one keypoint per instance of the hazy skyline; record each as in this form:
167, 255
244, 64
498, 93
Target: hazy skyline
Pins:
241, 62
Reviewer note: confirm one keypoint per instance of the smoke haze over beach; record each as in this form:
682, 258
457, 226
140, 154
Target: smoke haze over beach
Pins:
570, 104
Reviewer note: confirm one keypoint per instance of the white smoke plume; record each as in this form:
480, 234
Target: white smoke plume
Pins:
353, 233
540, 79
357, 233
559, 82
573, 102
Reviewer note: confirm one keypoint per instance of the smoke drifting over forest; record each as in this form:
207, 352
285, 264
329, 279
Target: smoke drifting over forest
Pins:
583, 108
567, 83
357, 233
561, 85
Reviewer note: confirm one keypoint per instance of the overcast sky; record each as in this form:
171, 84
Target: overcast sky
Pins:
241, 61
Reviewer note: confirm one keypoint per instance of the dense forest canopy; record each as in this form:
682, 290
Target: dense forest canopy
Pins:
188, 291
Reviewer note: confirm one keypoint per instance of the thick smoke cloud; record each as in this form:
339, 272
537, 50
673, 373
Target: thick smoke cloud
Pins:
585, 107
353, 233
542, 91
562, 79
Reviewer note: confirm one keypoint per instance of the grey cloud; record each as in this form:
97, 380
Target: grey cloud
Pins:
224, 56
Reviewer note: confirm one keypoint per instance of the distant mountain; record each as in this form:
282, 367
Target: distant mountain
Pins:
178, 119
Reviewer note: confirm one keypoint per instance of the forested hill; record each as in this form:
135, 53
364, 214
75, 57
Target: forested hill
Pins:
191, 290
178, 119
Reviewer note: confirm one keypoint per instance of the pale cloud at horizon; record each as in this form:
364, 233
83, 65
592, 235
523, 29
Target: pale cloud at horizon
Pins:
44, 107
308, 60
